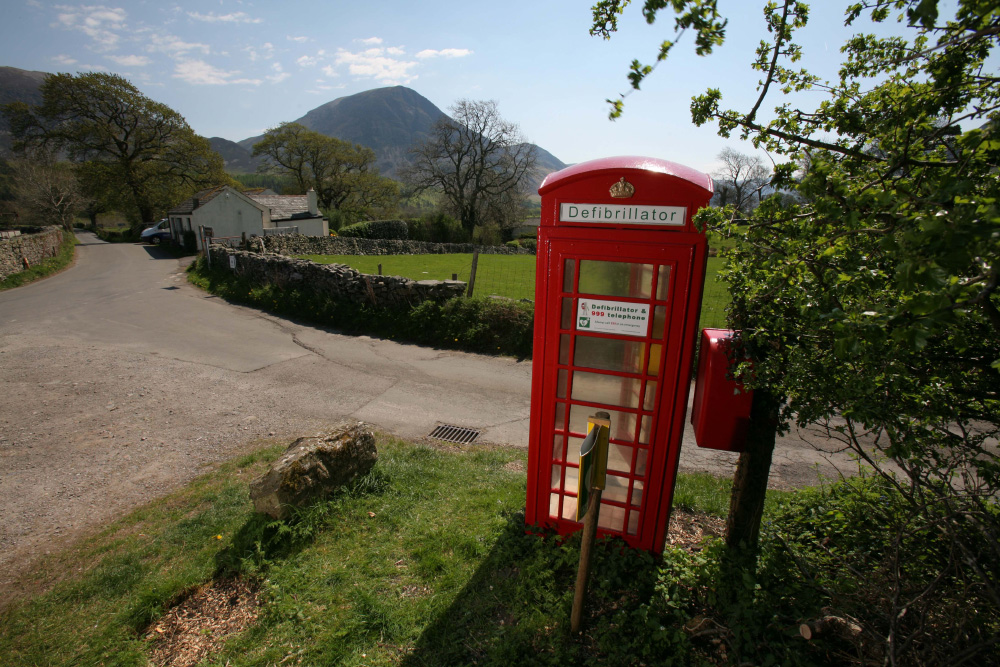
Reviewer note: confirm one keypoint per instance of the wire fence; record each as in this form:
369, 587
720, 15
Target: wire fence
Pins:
511, 276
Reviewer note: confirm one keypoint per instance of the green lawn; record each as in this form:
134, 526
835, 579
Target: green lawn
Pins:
512, 276
425, 562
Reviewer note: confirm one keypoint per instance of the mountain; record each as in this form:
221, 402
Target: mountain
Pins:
20, 85
17, 85
238, 159
391, 121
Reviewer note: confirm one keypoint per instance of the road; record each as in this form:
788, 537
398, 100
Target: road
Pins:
121, 382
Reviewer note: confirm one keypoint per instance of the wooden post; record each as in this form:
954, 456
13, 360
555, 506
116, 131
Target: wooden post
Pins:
746, 504
600, 424
454, 276
583, 573
380, 269
472, 274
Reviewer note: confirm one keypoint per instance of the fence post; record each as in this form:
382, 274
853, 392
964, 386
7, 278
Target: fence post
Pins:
472, 274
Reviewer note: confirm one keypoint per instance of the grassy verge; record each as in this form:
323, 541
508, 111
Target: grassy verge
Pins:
425, 562
46, 267
489, 326
511, 276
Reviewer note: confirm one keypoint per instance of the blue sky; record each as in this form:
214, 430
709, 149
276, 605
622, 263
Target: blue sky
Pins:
234, 69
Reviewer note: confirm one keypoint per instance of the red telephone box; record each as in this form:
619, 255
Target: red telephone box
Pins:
620, 270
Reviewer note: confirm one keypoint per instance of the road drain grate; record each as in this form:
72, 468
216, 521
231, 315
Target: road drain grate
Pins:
457, 434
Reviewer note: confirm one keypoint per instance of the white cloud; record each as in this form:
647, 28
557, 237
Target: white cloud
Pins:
130, 61
236, 17
63, 59
199, 72
175, 46
266, 51
376, 64
98, 22
330, 71
444, 53
279, 74
371, 41
300, 40
311, 61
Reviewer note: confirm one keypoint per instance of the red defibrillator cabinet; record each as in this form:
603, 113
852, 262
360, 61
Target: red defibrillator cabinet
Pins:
620, 270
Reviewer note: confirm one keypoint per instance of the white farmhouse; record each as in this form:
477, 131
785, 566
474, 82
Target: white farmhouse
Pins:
232, 213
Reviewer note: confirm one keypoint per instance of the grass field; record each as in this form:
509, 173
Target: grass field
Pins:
387, 573
511, 276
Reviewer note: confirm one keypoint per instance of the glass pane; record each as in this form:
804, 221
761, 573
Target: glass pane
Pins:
569, 508
649, 400
608, 354
572, 481
569, 267
620, 458
573, 449
564, 349
622, 423
633, 523
637, 493
645, 429
659, 320
663, 284
616, 278
557, 448
567, 314
606, 389
555, 481
616, 489
560, 424
562, 379
553, 505
655, 352
612, 518
640, 462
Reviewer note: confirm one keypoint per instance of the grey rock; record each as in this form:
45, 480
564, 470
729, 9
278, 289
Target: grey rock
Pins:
313, 467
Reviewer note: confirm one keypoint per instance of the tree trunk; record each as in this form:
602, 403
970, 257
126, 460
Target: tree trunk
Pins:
746, 505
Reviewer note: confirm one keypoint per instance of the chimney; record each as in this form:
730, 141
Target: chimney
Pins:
311, 198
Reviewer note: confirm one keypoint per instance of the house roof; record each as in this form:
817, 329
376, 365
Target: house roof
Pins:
202, 197
286, 207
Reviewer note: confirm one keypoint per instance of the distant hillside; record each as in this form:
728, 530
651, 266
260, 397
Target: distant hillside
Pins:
238, 160
391, 121
18, 85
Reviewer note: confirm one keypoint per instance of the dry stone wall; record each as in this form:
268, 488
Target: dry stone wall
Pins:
15, 251
341, 245
335, 280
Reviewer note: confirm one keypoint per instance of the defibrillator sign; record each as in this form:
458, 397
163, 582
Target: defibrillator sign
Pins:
613, 317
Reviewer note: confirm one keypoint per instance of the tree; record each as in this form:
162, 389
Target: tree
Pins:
140, 154
46, 191
478, 161
343, 174
740, 181
871, 306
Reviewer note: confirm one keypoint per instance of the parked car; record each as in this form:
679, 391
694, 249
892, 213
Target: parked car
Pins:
158, 232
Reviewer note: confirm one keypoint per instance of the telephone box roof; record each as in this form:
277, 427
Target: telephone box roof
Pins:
626, 163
